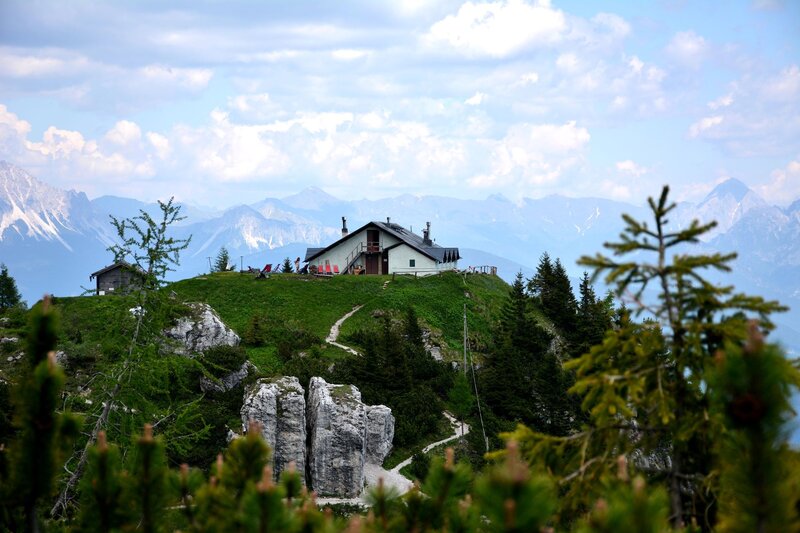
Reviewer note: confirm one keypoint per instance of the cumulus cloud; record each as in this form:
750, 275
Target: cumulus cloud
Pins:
688, 49
784, 185
722, 101
230, 151
124, 132
756, 116
71, 160
529, 78
498, 29
631, 168
476, 99
160, 144
533, 155
704, 125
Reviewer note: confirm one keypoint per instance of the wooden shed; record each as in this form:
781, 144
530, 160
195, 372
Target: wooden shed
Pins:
119, 277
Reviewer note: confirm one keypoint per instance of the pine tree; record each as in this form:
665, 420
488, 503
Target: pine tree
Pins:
287, 267
9, 295
751, 390
646, 387
511, 385
35, 457
222, 260
594, 317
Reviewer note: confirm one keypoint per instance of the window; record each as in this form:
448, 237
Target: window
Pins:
412, 263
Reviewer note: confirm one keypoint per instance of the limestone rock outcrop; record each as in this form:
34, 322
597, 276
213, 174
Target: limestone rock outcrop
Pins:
228, 381
279, 406
337, 439
331, 437
380, 433
201, 330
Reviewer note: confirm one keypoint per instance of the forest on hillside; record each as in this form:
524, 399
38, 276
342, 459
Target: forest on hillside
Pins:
660, 406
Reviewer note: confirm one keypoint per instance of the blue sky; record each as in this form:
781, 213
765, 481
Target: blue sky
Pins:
219, 103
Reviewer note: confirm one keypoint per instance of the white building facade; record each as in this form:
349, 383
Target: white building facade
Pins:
380, 248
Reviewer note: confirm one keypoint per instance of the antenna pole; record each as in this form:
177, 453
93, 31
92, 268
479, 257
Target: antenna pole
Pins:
465, 339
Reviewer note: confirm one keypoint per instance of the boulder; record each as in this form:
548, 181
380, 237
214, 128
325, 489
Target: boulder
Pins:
279, 406
337, 439
380, 432
202, 330
228, 381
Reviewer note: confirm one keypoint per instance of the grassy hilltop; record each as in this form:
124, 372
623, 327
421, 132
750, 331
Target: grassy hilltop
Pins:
314, 304
294, 313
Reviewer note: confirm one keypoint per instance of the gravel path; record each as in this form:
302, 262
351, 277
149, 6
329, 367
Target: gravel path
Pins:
392, 479
334, 333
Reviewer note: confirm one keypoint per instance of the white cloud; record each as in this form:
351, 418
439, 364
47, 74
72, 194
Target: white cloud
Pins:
636, 64
757, 116
784, 187
232, 152
705, 124
533, 155
568, 62
188, 78
498, 29
615, 190
14, 126
349, 54
631, 168
160, 144
722, 101
476, 99
124, 132
22, 64
528, 78
783, 87
688, 48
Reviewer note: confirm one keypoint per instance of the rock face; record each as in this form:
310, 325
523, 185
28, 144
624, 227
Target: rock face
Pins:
337, 439
343, 434
280, 407
226, 382
202, 330
380, 433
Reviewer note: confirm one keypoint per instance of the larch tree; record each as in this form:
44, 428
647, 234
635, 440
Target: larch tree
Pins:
146, 244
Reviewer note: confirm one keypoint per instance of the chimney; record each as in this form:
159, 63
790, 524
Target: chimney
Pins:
426, 234
344, 227
388, 220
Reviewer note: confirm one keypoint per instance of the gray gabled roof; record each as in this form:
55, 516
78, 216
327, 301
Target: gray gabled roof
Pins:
432, 250
118, 264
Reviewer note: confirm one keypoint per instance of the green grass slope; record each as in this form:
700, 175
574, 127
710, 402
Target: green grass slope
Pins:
316, 303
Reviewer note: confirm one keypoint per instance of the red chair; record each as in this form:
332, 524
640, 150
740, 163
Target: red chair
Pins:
328, 269
267, 268
336, 269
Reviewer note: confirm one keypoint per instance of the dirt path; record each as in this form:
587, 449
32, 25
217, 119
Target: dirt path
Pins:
334, 333
457, 434
392, 479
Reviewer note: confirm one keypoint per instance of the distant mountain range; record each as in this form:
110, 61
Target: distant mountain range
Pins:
52, 239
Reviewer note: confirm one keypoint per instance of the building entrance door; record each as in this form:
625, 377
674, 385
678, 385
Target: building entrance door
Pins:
373, 263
